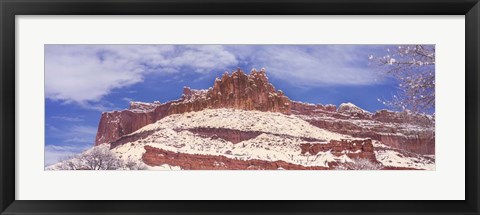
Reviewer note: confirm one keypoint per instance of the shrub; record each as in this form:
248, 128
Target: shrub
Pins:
96, 158
359, 164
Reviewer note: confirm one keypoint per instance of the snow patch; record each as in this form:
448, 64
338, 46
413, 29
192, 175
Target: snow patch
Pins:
395, 159
270, 122
350, 108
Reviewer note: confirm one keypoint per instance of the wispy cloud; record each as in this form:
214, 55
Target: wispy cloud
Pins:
51, 128
71, 140
81, 130
127, 99
78, 140
86, 73
68, 118
306, 65
94, 105
76, 133
56, 153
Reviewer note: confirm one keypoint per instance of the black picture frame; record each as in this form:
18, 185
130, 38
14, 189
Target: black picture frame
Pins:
10, 8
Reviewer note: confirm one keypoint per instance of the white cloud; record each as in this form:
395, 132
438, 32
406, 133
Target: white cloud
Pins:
204, 58
68, 118
51, 128
76, 133
86, 73
81, 130
127, 99
77, 74
307, 66
78, 138
55, 153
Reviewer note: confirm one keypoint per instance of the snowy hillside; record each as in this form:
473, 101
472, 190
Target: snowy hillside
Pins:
268, 122
286, 141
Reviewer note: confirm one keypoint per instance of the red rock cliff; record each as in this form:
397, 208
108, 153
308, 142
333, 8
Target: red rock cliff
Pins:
238, 90
254, 92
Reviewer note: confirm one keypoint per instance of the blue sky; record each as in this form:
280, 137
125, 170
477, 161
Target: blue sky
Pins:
81, 81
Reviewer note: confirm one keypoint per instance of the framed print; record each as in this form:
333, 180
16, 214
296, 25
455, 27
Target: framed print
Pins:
306, 107
241, 122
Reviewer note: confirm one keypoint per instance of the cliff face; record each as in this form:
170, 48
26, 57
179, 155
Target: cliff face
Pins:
114, 125
402, 130
352, 149
238, 90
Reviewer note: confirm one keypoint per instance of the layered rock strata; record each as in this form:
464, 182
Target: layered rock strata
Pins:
238, 90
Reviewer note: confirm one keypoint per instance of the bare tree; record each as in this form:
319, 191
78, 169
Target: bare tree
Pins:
70, 163
359, 164
96, 158
414, 67
101, 158
132, 165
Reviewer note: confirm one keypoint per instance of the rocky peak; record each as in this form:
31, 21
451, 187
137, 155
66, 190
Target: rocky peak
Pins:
143, 106
236, 90
349, 108
191, 95
354, 111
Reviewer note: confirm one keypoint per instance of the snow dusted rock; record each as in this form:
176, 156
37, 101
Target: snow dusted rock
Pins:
115, 124
407, 132
143, 107
309, 109
252, 140
349, 108
238, 90
155, 156
404, 117
351, 148
399, 159
243, 122
232, 135
353, 110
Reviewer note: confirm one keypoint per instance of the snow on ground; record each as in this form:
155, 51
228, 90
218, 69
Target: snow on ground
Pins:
270, 147
402, 129
280, 142
378, 144
266, 147
56, 166
128, 153
395, 159
350, 108
270, 122
134, 152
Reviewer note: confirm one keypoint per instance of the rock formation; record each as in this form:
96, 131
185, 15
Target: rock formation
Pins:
243, 123
238, 90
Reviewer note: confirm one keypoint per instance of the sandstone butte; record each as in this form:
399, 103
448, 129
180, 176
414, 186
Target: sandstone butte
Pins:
254, 92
